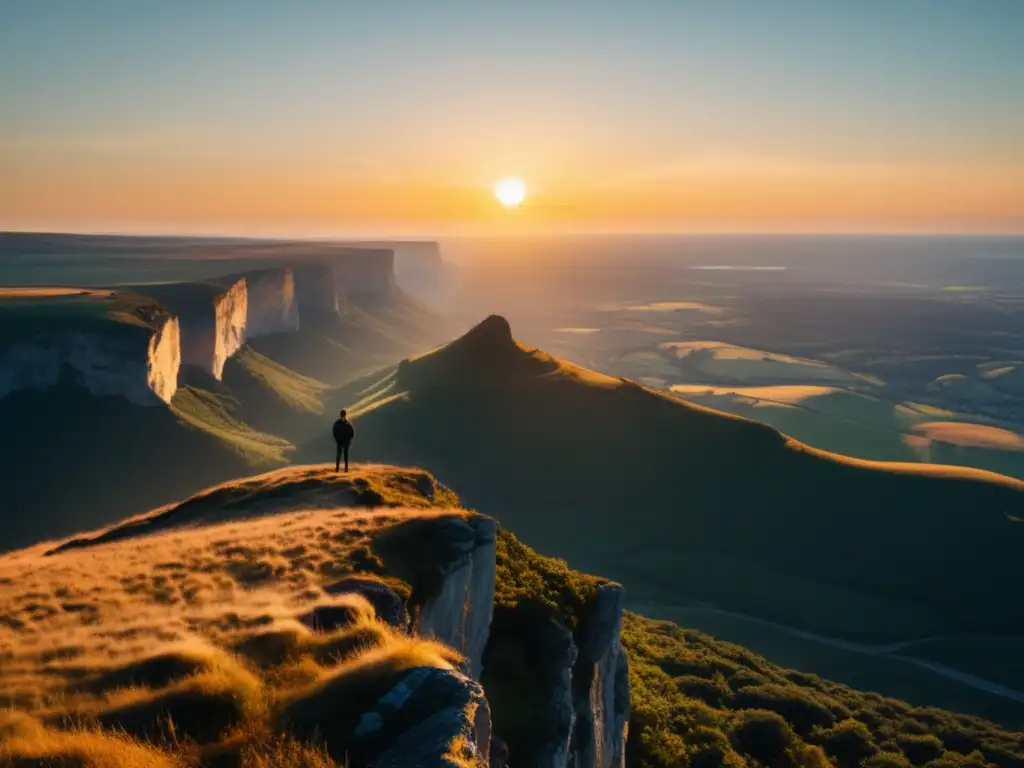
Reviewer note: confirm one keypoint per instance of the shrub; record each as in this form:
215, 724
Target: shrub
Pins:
708, 748
763, 735
920, 748
848, 742
713, 691
799, 707
886, 760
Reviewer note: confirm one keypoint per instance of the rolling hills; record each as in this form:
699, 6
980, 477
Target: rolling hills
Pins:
683, 503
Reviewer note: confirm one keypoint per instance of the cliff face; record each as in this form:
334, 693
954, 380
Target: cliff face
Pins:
560, 697
213, 327
163, 359
135, 364
575, 681
367, 273
271, 303
318, 289
460, 614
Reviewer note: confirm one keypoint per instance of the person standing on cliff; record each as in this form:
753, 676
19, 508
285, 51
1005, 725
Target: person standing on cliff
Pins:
343, 434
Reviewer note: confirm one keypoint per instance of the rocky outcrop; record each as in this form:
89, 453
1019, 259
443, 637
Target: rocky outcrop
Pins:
600, 683
212, 321
560, 697
163, 359
456, 715
459, 614
271, 303
138, 364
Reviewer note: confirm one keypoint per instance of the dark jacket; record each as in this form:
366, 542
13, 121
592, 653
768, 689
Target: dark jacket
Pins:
343, 431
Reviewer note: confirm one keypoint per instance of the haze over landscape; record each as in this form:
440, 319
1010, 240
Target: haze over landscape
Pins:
682, 346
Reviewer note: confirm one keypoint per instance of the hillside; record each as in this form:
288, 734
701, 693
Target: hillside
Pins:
161, 388
296, 618
691, 503
303, 618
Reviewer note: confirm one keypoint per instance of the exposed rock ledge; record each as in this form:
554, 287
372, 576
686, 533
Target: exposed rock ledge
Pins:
139, 364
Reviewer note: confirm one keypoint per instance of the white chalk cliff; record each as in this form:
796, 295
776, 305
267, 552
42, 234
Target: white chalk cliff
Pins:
271, 304
140, 365
213, 328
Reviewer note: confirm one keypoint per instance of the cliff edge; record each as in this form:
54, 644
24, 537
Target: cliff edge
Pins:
358, 617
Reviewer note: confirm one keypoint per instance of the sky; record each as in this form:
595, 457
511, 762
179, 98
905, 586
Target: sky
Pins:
396, 118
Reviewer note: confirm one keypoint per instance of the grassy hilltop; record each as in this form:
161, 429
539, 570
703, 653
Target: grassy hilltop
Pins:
175, 640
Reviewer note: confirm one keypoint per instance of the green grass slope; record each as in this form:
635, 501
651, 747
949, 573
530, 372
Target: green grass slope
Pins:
680, 502
71, 460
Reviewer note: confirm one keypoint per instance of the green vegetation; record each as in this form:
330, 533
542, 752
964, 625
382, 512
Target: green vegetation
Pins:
524, 575
882, 672
299, 392
211, 413
698, 701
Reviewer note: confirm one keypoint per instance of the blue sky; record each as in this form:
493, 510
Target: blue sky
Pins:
443, 97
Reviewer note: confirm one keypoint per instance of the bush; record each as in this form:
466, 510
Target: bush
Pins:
848, 742
886, 760
763, 735
799, 707
709, 748
713, 691
920, 748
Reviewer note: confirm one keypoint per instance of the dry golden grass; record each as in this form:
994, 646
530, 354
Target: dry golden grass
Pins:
179, 637
26, 743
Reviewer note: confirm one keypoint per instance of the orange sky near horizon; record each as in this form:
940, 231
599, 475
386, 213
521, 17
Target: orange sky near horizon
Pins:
710, 196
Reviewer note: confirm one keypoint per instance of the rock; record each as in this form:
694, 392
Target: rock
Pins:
602, 624
459, 615
564, 695
272, 307
419, 721
138, 364
499, 753
387, 603
601, 683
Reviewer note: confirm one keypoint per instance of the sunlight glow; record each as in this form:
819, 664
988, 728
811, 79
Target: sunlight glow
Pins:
510, 192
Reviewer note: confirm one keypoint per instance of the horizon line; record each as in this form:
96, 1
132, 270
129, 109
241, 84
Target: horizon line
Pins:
964, 234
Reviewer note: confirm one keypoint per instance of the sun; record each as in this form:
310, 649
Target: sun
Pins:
510, 192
